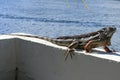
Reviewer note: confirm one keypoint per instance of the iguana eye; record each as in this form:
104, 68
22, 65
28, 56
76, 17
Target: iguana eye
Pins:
103, 29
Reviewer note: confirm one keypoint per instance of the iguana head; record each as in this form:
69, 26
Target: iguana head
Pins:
108, 31
106, 34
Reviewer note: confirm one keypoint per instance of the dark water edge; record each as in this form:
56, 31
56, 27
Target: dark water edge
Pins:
55, 18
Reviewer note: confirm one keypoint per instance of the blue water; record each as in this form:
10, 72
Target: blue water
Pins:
54, 18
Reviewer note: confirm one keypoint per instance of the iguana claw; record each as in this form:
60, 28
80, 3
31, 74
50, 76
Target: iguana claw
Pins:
69, 52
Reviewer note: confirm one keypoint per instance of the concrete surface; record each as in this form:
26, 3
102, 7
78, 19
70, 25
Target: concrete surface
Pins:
7, 59
41, 60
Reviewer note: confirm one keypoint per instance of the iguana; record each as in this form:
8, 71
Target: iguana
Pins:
85, 42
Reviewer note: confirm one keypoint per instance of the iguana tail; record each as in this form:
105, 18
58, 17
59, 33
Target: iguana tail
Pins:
60, 42
53, 40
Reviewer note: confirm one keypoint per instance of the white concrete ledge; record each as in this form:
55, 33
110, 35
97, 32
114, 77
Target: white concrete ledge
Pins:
37, 59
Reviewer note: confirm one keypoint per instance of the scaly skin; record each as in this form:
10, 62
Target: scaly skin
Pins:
85, 42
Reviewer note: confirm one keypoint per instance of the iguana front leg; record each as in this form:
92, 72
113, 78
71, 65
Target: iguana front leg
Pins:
88, 46
106, 48
71, 49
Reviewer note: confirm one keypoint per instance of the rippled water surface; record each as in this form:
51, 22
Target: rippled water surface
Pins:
54, 18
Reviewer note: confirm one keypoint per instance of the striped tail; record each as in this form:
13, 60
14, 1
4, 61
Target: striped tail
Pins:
53, 40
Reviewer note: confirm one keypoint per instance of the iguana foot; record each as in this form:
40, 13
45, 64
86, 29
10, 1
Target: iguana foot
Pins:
69, 52
71, 49
88, 51
107, 49
114, 51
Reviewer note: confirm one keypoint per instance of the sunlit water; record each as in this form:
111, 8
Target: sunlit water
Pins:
54, 18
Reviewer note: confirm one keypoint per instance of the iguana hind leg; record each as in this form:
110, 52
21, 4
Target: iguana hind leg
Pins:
69, 52
71, 49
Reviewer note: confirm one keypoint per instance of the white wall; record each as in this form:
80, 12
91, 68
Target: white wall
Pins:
37, 61
7, 59
41, 62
